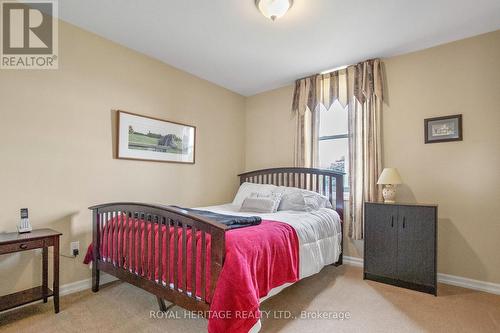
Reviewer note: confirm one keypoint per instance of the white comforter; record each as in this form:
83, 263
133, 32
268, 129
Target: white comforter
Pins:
319, 234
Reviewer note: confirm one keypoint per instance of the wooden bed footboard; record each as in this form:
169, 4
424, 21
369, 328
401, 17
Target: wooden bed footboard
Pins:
149, 275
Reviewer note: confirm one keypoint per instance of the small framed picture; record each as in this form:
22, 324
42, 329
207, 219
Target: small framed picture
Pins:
443, 129
151, 139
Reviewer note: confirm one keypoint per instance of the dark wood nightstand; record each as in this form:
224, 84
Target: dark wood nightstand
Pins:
400, 245
37, 239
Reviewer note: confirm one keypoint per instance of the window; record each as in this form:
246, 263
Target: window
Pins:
333, 140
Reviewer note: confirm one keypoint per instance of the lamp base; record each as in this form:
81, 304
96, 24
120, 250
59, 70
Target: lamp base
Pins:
389, 193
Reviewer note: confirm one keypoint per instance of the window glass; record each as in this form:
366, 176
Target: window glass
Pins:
333, 140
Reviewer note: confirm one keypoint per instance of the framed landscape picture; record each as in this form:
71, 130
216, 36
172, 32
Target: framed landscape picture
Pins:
152, 139
443, 129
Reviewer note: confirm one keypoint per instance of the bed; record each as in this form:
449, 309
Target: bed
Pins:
195, 262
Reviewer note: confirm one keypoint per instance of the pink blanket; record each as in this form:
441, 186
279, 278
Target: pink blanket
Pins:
258, 259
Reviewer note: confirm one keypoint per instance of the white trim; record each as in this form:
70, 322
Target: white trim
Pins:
463, 282
82, 285
489, 287
353, 261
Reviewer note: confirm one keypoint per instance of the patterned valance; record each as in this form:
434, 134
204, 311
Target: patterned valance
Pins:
357, 81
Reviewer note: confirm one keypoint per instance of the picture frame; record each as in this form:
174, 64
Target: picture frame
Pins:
153, 139
443, 129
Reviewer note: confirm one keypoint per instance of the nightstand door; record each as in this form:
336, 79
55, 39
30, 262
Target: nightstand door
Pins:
381, 239
416, 259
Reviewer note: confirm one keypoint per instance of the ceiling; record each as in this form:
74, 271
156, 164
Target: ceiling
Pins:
228, 42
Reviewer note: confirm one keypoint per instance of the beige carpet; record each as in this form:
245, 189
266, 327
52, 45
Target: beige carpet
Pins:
373, 307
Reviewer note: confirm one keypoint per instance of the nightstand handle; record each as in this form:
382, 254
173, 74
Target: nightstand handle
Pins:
392, 221
23, 246
404, 219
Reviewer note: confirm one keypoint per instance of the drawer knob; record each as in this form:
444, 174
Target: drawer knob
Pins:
23, 246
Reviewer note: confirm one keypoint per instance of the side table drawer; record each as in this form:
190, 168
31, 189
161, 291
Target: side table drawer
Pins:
22, 246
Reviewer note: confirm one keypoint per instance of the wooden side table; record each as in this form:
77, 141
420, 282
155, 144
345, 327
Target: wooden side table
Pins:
37, 239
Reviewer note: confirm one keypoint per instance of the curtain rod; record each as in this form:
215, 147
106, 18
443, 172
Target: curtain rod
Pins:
336, 69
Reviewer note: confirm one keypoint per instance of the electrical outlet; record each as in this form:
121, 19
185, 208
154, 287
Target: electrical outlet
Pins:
75, 248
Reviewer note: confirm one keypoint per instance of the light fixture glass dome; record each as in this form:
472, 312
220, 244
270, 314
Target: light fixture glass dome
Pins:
273, 9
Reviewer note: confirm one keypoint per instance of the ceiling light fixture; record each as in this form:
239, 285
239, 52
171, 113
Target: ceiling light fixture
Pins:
273, 9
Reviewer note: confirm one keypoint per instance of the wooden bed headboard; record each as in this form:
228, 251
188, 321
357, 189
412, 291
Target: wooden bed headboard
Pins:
326, 182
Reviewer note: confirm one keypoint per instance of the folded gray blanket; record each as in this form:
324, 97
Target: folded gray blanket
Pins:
233, 222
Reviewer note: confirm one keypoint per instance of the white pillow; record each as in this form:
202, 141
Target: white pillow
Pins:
320, 200
246, 190
302, 200
274, 196
259, 205
293, 200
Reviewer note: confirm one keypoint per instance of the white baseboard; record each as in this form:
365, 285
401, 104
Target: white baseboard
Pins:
489, 287
82, 285
353, 261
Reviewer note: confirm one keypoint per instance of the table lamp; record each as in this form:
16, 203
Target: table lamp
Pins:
390, 178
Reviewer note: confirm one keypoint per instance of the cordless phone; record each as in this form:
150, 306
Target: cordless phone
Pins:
24, 225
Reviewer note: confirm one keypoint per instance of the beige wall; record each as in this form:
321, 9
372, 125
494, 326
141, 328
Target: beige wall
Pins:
462, 177
57, 136
270, 129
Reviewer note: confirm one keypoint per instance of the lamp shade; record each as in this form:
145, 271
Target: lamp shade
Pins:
389, 176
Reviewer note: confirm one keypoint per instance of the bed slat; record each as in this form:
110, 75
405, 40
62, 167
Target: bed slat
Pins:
108, 227
160, 249
146, 245
175, 259
193, 261
184, 258
153, 247
167, 240
330, 186
203, 264
139, 246
133, 260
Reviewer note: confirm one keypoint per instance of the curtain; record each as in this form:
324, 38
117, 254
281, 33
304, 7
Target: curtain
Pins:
361, 87
304, 105
365, 140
